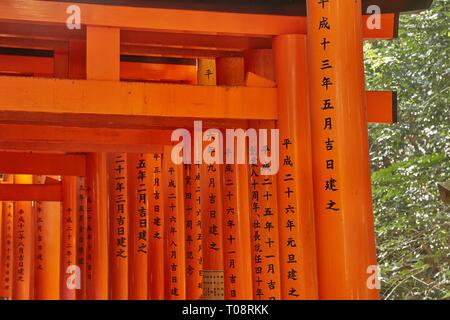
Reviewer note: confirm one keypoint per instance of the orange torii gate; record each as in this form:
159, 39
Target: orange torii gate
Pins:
86, 117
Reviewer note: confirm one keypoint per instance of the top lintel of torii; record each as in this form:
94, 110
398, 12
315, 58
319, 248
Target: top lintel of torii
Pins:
275, 7
242, 19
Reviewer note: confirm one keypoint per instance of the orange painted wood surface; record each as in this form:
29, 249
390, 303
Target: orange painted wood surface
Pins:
138, 199
295, 181
69, 237
97, 227
41, 163
193, 225
174, 232
341, 169
30, 192
157, 236
173, 20
47, 247
23, 242
136, 99
119, 222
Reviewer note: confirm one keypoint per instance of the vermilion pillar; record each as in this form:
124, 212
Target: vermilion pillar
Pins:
47, 244
235, 195
295, 184
102, 63
23, 245
138, 199
342, 193
193, 224
157, 238
82, 231
175, 259
97, 227
212, 207
6, 248
118, 223
69, 237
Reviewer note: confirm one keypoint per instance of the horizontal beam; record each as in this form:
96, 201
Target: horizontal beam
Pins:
153, 18
30, 192
193, 41
24, 65
79, 139
175, 52
172, 20
174, 73
42, 164
136, 99
382, 107
283, 7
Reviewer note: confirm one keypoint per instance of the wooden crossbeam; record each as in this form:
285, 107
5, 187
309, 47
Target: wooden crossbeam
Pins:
81, 139
157, 19
136, 99
42, 164
382, 107
24, 65
30, 192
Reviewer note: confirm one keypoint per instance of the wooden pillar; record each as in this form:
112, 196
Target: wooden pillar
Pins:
23, 245
61, 63
138, 198
77, 70
69, 236
230, 71
118, 222
342, 193
295, 184
212, 206
236, 218
260, 62
82, 233
97, 227
77, 59
193, 225
157, 238
7, 248
263, 197
103, 53
47, 246
102, 63
175, 260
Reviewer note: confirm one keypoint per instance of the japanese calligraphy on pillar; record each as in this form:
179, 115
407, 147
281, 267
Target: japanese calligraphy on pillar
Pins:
89, 243
68, 235
231, 234
213, 263
24, 230
138, 206
120, 206
156, 228
174, 229
194, 258
327, 105
118, 174
39, 245
289, 218
265, 232
7, 250
141, 234
81, 216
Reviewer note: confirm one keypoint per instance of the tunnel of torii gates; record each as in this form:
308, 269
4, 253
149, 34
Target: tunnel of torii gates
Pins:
93, 206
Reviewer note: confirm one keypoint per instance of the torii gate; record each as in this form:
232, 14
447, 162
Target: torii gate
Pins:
101, 103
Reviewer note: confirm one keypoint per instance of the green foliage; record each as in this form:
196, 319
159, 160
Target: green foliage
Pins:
409, 158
